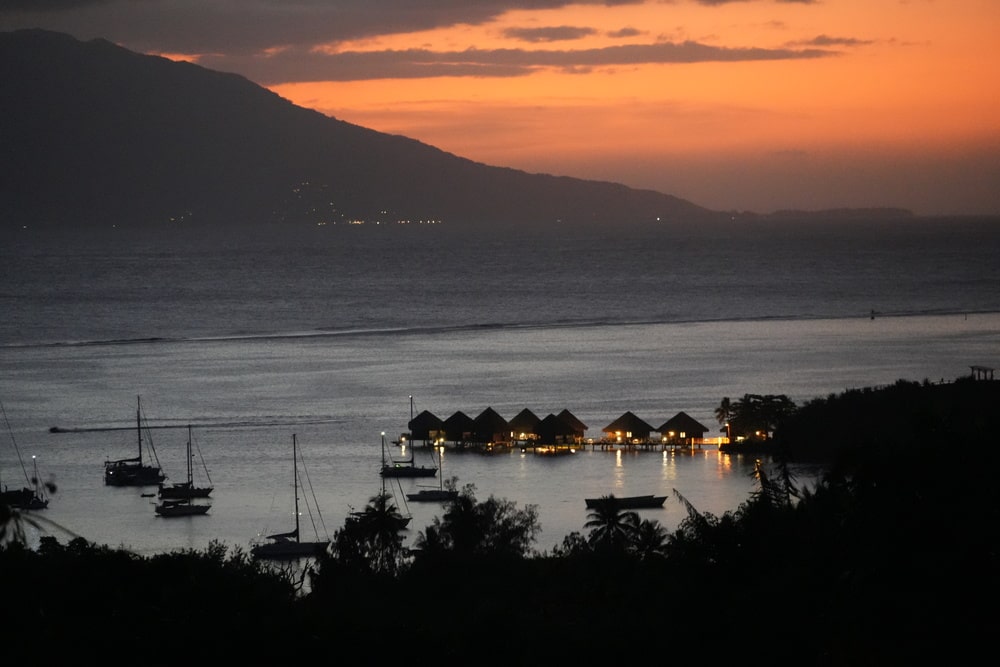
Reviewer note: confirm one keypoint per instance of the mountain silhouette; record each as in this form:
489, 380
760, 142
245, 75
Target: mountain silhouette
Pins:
93, 133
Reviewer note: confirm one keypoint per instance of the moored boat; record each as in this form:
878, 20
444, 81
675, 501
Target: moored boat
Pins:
187, 488
29, 497
432, 495
627, 502
134, 471
406, 468
442, 494
288, 546
23, 499
180, 507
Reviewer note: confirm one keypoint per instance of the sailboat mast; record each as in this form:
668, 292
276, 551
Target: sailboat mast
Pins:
408, 427
38, 484
383, 463
295, 479
190, 476
138, 425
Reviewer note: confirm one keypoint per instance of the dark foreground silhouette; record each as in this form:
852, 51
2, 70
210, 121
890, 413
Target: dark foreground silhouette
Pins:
891, 558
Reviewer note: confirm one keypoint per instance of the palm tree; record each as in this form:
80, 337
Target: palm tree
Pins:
492, 528
370, 538
611, 528
650, 540
724, 413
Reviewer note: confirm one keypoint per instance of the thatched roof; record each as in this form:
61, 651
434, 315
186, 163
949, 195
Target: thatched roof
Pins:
421, 425
629, 423
457, 426
524, 421
488, 424
683, 423
553, 428
571, 419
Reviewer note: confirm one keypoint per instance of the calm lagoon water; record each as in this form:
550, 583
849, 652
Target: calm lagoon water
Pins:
252, 341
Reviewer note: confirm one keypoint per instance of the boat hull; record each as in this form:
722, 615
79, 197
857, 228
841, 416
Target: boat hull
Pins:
180, 508
432, 496
628, 502
407, 471
184, 490
23, 499
289, 550
128, 473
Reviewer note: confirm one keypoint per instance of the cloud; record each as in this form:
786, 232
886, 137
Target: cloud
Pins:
624, 32
552, 34
277, 41
827, 41
289, 65
47, 5
714, 3
254, 26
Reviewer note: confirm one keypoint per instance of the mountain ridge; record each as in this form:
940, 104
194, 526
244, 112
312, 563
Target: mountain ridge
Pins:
97, 133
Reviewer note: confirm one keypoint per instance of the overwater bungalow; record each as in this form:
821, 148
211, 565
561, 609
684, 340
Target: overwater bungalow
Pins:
579, 428
425, 427
555, 431
628, 430
489, 428
522, 426
682, 430
458, 428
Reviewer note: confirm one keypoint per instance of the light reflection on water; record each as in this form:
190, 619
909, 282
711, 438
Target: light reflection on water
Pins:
318, 339
246, 397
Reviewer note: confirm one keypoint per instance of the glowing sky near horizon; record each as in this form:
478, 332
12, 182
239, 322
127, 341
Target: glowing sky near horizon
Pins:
750, 105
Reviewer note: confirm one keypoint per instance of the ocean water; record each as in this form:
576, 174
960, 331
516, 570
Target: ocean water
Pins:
251, 338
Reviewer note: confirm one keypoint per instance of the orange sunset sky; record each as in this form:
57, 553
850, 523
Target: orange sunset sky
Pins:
748, 105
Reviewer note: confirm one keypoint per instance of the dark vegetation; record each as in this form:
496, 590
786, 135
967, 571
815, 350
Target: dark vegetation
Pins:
890, 559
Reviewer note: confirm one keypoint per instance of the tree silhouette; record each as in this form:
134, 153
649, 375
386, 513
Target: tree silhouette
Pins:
611, 528
724, 413
757, 416
493, 528
370, 541
650, 540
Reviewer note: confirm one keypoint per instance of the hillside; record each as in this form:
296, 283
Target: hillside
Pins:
96, 134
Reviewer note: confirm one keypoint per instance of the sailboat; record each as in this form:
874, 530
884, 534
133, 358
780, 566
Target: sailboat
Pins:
181, 507
133, 471
179, 498
404, 468
288, 545
438, 495
187, 489
31, 497
382, 507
